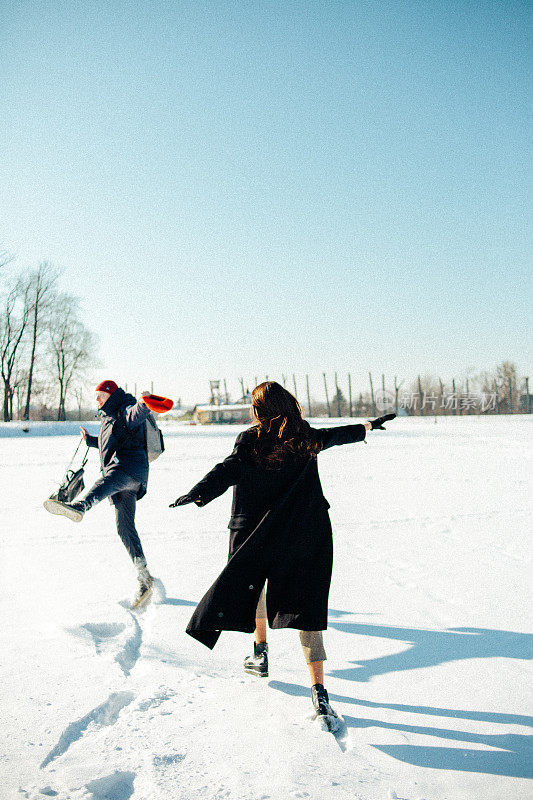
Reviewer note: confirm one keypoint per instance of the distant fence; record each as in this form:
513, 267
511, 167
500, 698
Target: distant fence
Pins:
342, 399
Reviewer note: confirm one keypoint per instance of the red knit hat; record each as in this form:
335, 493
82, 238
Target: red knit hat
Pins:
107, 386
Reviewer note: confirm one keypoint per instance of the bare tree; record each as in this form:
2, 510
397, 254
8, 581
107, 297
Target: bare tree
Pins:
424, 392
506, 378
18, 382
72, 346
5, 258
14, 317
78, 394
340, 400
42, 290
397, 387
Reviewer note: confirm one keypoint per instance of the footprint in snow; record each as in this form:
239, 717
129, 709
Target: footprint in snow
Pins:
162, 695
118, 786
124, 640
167, 760
102, 632
102, 716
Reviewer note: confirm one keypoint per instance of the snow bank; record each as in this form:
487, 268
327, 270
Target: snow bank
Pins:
31, 429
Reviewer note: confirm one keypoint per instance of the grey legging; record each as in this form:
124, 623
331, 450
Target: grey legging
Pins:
312, 641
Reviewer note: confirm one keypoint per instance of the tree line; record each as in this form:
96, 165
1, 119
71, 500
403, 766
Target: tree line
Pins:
498, 391
45, 348
46, 352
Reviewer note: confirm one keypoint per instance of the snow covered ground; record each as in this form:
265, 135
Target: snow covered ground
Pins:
429, 640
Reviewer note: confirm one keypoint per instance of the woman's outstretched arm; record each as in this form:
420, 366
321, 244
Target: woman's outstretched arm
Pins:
343, 434
347, 434
217, 480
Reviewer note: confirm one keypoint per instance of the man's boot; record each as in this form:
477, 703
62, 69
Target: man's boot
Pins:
146, 583
258, 663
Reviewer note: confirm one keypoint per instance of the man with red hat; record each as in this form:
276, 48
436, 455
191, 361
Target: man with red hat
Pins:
124, 464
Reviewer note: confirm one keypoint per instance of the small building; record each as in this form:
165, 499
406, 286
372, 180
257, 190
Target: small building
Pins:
209, 413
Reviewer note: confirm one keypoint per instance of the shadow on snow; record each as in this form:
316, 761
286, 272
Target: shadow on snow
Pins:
429, 648
513, 757
161, 598
513, 753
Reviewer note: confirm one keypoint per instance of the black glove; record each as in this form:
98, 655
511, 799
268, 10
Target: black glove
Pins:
377, 424
184, 500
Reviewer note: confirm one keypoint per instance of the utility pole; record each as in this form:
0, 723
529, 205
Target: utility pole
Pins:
350, 392
454, 397
308, 395
397, 388
420, 396
338, 396
327, 397
295, 387
372, 394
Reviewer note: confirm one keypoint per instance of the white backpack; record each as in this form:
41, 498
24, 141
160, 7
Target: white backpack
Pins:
155, 444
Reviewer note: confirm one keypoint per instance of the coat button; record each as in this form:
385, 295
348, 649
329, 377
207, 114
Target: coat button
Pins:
250, 587
220, 613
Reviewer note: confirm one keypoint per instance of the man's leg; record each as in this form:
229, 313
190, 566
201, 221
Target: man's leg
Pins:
117, 481
125, 504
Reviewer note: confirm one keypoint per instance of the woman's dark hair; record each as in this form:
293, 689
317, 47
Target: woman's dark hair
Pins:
279, 427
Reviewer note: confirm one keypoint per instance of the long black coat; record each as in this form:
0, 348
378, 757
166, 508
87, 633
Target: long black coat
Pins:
280, 531
121, 439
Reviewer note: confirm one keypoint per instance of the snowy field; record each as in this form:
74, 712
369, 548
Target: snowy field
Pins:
429, 641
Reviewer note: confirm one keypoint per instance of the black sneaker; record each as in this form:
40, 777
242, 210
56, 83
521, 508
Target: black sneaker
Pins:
320, 699
258, 663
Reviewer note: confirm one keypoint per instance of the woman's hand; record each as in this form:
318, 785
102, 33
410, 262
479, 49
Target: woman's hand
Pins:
368, 426
84, 433
377, 424
143, 395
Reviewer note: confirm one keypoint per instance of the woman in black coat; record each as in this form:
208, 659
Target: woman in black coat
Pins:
280, 532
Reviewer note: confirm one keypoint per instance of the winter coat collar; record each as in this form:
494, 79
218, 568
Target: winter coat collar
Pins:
118, 399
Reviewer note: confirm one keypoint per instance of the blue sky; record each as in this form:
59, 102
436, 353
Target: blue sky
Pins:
242, 188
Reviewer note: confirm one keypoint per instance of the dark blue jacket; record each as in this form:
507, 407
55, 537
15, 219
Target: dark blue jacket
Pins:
121, 440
